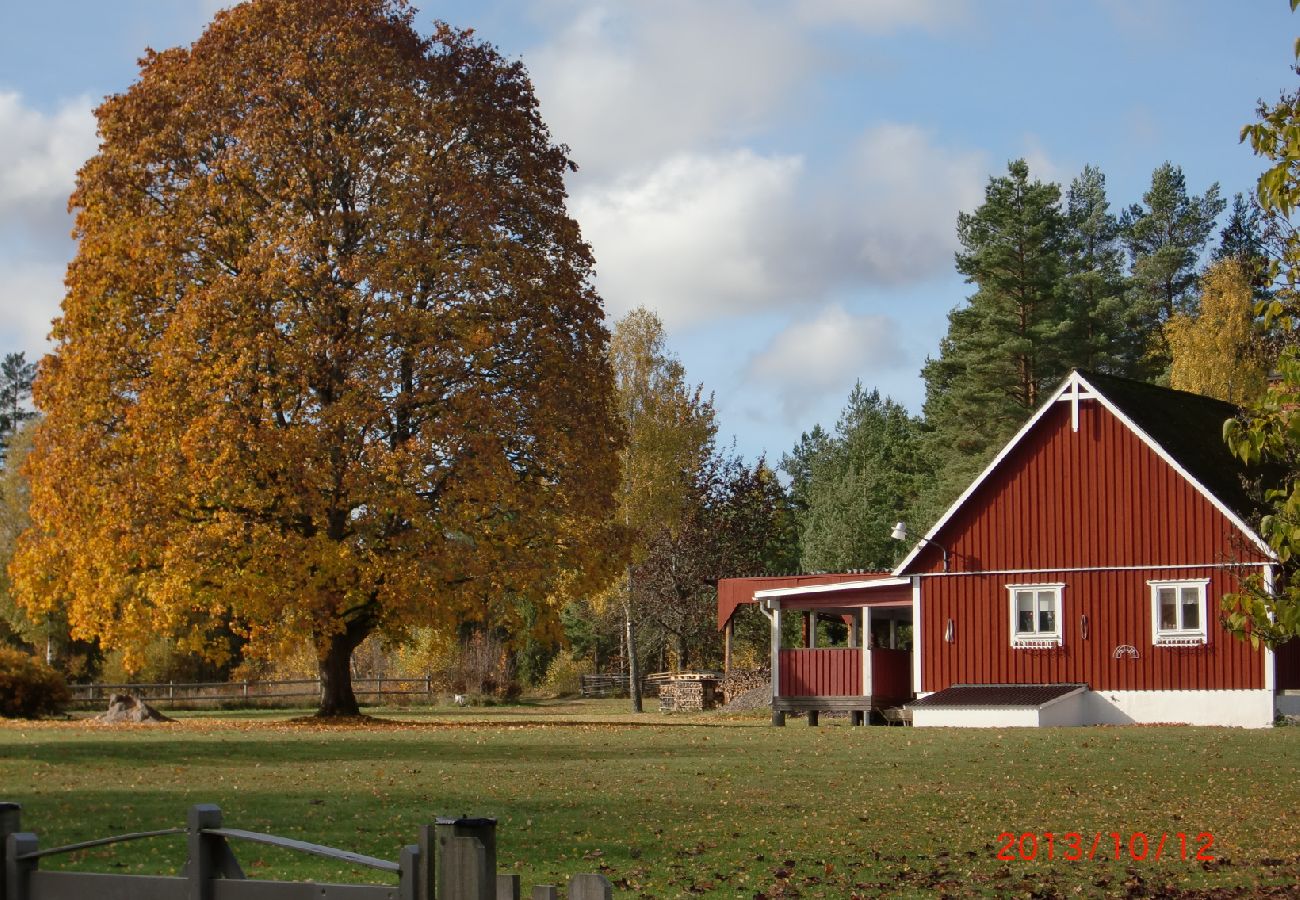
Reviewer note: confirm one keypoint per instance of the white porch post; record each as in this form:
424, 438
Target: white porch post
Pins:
778, 716
917, 646
866, 651
776, 649
893, 633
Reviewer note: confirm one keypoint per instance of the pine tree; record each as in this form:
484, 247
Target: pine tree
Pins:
1243, 239
1010, 341
1097, 307
16, 376
1164, 236
862, 481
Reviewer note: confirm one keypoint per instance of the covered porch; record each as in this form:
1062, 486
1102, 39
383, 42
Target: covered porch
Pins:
869, 667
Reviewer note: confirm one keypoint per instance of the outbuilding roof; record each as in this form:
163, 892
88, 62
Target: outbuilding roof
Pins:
967, 696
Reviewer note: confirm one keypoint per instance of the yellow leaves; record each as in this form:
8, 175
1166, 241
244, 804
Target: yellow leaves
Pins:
1216, 352
318, 355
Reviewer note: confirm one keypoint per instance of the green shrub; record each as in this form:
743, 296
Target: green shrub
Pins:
28, 687
564, 675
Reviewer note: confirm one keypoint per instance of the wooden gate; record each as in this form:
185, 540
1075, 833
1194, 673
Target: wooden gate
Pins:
455, 859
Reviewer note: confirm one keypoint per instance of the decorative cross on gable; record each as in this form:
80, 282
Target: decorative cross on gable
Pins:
1074, 392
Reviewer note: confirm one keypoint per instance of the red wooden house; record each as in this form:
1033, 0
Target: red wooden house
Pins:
1077, 580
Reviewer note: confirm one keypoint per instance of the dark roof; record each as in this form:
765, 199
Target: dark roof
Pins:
996, 695
1189, 427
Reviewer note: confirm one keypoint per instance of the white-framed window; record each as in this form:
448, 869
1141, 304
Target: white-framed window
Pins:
1178, 612
1036, 615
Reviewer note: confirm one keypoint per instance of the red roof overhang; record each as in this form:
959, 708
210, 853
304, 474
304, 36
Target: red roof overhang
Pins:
732, 592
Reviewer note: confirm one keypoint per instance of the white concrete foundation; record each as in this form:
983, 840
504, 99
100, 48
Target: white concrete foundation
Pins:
1240, 709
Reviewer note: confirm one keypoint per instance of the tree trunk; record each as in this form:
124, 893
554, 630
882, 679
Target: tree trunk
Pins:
681, 651
335, 667
633, 665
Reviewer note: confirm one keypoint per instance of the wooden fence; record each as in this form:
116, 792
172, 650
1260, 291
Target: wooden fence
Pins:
266, 693
615, 684
454, 859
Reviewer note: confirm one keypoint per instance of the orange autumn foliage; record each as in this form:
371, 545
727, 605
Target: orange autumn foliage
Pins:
330, 361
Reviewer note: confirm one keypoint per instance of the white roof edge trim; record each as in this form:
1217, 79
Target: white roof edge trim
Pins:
1075, 378
831, 588
974, 485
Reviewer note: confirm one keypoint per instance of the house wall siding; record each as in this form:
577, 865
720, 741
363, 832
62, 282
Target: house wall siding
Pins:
1096, 497
1099, 499
1118, 609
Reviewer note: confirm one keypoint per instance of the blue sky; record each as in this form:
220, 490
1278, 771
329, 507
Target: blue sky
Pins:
778, 179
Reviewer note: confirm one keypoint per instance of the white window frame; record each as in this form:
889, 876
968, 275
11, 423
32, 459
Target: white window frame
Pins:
1038, 640
1180, 637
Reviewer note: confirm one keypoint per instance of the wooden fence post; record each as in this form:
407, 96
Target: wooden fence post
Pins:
447, 832
201, 866
590, 887
463, 872
408, 885
425, 883
11, 822
507, 887
545, 892
17, 871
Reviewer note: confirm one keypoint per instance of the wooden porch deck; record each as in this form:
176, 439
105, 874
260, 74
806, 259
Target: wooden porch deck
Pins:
858, 708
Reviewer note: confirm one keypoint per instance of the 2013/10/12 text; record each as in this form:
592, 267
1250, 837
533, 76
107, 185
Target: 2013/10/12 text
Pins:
1073, 846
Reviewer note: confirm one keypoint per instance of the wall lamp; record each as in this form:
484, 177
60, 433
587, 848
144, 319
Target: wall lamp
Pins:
900, 534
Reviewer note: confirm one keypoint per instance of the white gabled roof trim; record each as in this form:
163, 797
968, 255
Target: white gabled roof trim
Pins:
831, 588
1072, 382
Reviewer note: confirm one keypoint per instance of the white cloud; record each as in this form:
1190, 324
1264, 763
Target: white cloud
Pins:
695, 239
905, 191
41, 153
703, 237
812, 358
625, 84
30, 294
1042, 167
881, 15
39, 158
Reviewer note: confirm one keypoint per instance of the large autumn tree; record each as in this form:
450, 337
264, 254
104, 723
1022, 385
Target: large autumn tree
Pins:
330, 361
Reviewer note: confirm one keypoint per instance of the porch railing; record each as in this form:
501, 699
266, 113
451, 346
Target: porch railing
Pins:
830, 672
837, 672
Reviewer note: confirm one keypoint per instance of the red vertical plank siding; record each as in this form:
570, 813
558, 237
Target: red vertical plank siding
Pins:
1118, 607
832, 672
1101, 500
891, 673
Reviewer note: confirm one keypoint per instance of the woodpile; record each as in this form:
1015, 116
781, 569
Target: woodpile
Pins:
689, 692
740, 682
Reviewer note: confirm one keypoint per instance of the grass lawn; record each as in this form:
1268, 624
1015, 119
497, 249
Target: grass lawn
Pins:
685, 805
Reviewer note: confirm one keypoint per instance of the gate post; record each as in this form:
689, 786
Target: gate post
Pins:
17, 871
482, 859
590, 887
202, 866
408, 885
507, 887
11, 822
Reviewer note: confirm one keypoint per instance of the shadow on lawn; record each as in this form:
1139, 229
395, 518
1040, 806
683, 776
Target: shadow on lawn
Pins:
173, 748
